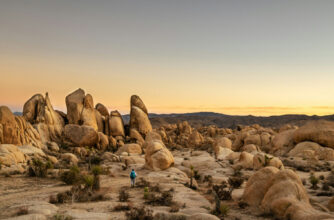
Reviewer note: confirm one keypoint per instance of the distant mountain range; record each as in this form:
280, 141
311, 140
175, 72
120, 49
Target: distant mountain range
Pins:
230, 121
197, 119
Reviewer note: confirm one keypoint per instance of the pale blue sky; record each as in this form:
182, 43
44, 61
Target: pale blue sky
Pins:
235, 57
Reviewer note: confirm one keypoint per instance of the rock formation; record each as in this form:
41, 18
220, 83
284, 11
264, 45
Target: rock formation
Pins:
157, 156
280, 193
321, 132
16, 130
40, 113
139, 117
115, 124
81, 135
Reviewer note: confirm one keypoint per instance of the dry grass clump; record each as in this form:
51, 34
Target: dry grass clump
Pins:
85, 187
164, 198
141, 213
123, 195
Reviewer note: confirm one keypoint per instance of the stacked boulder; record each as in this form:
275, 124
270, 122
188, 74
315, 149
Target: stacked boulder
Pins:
86, 124
140, 124
157, 156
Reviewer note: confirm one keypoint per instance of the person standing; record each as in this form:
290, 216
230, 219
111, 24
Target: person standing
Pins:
133, 176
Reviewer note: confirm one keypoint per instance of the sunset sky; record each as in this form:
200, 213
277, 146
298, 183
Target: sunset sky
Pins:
235, 57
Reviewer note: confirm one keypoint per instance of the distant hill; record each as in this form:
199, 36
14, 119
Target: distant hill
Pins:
227, 121
230, 121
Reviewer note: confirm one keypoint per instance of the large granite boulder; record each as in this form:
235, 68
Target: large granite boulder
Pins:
157, 156
139, 117
81, 135
115, 124
80, 109
40, 113
321, 132
280, 193
16, 130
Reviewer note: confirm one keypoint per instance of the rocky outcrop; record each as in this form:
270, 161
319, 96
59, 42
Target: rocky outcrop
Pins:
81, 135
130, 149
280, 193
282, 142
311, 150
321, 132
261, 160
102, 109
80, 109
195, 139
139, 117
16, 130
157, 156
115, 124
40, 113
11, 155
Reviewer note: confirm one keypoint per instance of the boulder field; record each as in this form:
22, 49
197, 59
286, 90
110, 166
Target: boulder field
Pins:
250, 172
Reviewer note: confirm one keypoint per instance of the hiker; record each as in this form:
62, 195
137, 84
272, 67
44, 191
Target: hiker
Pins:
133, 176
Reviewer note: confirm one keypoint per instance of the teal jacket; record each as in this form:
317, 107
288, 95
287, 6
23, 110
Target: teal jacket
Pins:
133, 174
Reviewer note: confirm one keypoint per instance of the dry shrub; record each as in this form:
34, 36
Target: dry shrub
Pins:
235, 182
123, 195
141, 213
161, 199
121, 207
174, 208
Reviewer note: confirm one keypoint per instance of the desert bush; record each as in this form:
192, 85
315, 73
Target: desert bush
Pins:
208, 179
72, 176
224, 209
96, 170
161, 199
96, 160
88, 181
64, 197
197, 176
139, 214
146, 193
123, 195
120, 207
174, 208
314, 181
22, 211
53, 199
61, 217
222, 191
325, 186
39, 168
235, 182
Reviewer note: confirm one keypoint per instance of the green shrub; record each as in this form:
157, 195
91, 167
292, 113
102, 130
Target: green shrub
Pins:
72, 176
146, 193
39, 168
314, 181
224, 210
88, 181
96, 170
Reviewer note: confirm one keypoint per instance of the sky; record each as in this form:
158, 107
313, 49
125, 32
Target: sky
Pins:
259, 57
